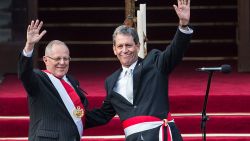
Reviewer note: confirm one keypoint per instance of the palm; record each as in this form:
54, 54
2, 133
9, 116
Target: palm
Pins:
183, 11
33, 36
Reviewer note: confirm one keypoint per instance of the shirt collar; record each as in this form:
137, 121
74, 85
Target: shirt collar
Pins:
130, 67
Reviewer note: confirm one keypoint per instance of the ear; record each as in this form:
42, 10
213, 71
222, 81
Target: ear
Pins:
45, 60
114, 50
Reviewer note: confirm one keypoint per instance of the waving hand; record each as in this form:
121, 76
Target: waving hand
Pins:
33, 34
183, 11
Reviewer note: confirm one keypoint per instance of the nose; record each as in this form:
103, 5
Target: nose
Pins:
124, 48
62, 61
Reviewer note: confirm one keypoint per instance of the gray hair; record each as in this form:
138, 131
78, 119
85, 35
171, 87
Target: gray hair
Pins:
51, 43
125, 30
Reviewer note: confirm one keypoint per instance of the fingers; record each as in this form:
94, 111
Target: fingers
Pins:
35, 25
31, 25
188, 2
179, 2
183, 2
28, 29
42, 33
34, 29
40, 25
176, 9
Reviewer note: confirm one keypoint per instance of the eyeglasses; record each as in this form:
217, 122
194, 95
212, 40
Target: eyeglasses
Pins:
58, 59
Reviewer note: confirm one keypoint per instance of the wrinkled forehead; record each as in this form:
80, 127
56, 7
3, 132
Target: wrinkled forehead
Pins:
124, 38
59, 50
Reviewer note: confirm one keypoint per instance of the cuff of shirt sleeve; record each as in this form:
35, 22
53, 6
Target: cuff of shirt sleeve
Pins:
187, 30
27, 54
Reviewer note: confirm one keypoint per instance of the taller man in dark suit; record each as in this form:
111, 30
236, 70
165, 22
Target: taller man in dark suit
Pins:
56, 103
142, 103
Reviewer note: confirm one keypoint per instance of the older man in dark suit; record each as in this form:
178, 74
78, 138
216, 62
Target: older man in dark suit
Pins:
56, 103
138, 91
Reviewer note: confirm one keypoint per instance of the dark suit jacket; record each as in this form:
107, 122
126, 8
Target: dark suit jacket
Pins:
49, 118
150, 80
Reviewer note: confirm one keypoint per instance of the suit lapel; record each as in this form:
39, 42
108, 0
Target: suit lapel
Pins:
50, 85
74, 85
137, 77
77, 89
114, 79
54, 92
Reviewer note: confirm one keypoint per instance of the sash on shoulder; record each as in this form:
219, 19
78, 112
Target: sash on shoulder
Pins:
72, 101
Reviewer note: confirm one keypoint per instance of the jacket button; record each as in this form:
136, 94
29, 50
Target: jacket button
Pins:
135, 106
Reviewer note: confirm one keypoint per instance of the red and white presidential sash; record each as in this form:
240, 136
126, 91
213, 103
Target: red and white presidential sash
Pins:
142, 123
70, 99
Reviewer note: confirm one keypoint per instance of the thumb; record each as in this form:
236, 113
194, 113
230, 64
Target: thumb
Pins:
176, 9
42, 34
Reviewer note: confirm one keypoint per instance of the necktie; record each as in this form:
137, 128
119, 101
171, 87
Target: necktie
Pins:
129, 85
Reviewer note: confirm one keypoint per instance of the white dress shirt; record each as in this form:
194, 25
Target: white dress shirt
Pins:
120, 86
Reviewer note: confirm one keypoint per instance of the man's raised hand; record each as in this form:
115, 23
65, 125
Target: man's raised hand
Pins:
183, 11
33, 34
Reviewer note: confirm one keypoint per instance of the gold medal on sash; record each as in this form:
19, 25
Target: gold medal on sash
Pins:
78, 112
